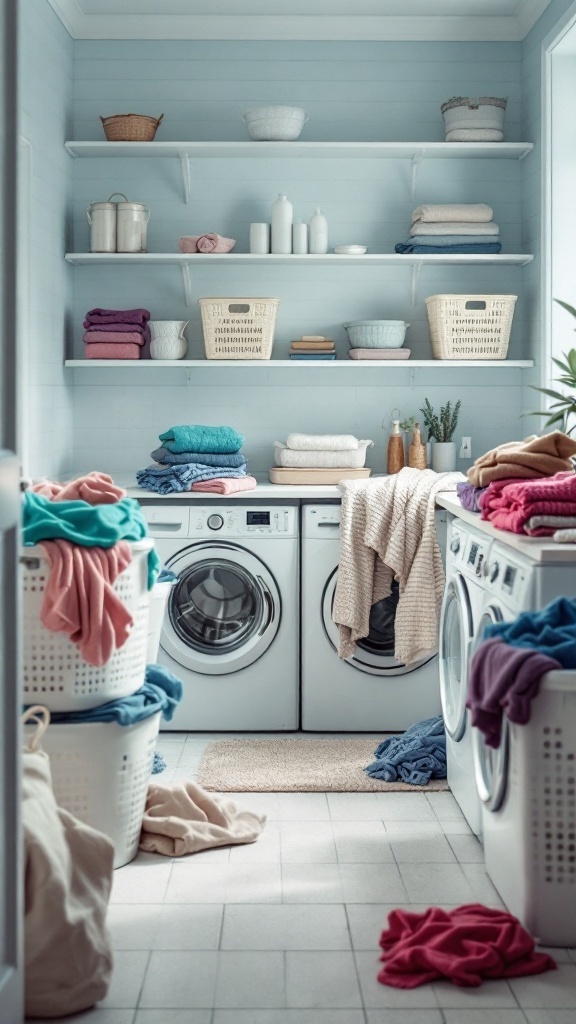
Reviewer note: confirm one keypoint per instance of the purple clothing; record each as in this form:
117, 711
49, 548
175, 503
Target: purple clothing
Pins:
504, 679
117, 316
116, 328
469, 496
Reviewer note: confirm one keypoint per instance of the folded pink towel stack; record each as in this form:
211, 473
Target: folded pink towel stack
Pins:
114, 338
112, 351
205, 243
116, 333
225, 485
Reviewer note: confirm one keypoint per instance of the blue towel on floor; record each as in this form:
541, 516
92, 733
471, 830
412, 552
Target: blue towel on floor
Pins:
159, 764
480, 249
196, 438
161, 691
551, 631
175, 479
227, 460
416, 756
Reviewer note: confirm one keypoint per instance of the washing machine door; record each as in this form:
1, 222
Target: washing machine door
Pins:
224, 611
375, 653
456, 632
491, 767
492, 614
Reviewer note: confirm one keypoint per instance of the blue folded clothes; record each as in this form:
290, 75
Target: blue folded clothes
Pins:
443, 240
312, 356
416, 756
551, 631
231, 460
166, 576
483, 249
161, 691
196, 438
176, 479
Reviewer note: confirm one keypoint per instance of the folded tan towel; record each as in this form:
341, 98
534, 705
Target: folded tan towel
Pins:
448, 227
183, 818
312, 346
477, 212
535, 457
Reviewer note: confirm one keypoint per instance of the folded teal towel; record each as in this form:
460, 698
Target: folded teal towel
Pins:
217, 440
227, 460
90, 526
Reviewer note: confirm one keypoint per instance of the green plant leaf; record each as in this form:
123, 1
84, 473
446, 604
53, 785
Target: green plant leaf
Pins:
563, 366
552, 394
566, 306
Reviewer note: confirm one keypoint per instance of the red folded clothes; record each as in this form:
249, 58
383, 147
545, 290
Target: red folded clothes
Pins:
511, 504
113, 350
466, 946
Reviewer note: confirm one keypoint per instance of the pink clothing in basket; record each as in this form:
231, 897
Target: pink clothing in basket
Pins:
225, 485
206, 243
95, 488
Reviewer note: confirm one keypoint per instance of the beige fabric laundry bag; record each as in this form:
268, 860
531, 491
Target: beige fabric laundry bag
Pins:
68, 877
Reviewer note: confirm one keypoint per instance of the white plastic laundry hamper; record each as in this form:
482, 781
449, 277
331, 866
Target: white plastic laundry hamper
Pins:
54, 673
158, 600
101, 772
528, 792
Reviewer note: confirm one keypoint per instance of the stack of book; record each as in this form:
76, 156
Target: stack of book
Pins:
313, 346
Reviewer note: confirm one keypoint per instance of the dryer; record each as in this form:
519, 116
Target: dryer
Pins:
230, 631
370, 691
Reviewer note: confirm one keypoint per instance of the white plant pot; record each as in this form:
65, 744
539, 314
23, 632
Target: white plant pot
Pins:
167, 339
444, 456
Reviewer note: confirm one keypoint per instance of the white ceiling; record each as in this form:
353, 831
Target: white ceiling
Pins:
300, 19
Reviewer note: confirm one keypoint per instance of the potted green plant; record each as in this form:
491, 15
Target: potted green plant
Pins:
564, 406
441, 429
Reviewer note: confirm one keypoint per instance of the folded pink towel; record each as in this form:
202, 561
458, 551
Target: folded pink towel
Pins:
225, 485
206, 243
95, 488
114, 338
116, 328
112, 351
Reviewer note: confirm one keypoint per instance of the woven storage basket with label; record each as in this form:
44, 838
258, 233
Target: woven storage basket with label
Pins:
470, 326
238, 328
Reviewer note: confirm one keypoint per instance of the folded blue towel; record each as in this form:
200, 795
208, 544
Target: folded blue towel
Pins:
484, 248
551, 631
202, 439
232, 460
161, 691
176, 479
416, 756
312, 356
443, 240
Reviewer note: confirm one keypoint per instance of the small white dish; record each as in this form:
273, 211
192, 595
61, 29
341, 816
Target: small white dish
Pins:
351, 250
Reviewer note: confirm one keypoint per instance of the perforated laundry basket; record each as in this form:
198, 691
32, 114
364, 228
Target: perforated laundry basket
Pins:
54, 673
100, 773
238, 328
158, 599
470, 326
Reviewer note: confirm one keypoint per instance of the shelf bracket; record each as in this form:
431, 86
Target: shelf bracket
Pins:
416, 272
416, 162
185, 165
187, 282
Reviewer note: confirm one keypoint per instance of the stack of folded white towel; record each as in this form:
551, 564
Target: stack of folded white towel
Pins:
321, 451
457, 228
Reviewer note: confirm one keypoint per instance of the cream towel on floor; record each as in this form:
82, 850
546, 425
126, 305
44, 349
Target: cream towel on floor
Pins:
449, 227
387, 532
322, 442
477, 212
290, 459
183, 818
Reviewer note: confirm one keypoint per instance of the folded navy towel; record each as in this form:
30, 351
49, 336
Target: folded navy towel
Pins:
443, 240
416, 756
232, 460
484, 248
175, 479
161, 691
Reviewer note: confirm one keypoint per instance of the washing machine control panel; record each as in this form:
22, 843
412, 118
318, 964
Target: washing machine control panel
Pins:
243, 522
469, 551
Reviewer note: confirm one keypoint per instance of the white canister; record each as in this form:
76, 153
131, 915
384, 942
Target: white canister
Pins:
299, 238
318, 233
132, 222
282, 213
102, 221
260, 238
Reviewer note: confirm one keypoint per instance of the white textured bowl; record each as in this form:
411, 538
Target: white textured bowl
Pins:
275, 124
265, 113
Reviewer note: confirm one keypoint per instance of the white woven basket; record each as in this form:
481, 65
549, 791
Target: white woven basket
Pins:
470, 326
466, 112
237, 328
55, 674
100, 773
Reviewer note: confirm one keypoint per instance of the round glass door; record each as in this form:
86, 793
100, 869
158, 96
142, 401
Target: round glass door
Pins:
223, 612
491, 767
491, 615
455, 636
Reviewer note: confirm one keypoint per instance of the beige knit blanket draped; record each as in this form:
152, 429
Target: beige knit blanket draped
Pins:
387, 532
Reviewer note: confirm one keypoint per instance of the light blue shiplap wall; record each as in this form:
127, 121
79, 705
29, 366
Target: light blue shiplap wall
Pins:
363, 91
46, 92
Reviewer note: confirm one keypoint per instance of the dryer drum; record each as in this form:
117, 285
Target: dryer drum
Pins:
216, 606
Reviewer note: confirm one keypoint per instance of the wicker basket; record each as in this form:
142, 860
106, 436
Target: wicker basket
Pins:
130, 127
238, 328
470, 326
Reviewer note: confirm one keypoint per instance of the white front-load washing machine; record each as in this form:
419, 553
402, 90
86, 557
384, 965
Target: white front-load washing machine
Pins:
370, 691
230, 630
463, 605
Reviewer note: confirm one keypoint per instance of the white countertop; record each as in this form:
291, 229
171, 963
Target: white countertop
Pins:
264, 491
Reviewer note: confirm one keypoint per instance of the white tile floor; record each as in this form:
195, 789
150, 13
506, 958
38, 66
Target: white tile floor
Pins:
286, 931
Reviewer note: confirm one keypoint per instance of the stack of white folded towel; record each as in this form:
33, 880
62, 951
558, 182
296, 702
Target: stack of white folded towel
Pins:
452, 228
321, 451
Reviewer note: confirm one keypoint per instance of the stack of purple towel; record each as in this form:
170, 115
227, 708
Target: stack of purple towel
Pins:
116, 333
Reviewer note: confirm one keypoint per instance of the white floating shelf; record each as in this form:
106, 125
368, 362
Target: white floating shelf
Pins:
272, 364
333, 259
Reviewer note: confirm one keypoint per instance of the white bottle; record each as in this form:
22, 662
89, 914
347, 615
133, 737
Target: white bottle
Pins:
318, 239
299, 238
282, 213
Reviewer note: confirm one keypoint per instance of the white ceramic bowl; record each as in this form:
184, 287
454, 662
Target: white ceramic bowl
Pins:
351, 250
275, 124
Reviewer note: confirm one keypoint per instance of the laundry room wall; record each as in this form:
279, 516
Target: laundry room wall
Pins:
46, 94
361, 91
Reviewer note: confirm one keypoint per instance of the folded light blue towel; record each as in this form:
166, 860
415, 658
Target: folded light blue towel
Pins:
313, 356
478, 250
161, 691
232, 460
202, 439
176, 479
442, 240
551, 631
416, 756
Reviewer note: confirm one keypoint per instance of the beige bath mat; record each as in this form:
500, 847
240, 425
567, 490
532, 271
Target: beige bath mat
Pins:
297, 766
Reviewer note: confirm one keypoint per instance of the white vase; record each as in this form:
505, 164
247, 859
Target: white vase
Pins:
282, 214
318, 235
444, 456
167, 339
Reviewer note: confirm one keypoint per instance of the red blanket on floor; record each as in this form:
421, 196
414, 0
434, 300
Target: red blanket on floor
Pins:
465, 946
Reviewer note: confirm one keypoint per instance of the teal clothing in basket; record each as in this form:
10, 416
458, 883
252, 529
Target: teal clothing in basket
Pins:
91, 526
218, 440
